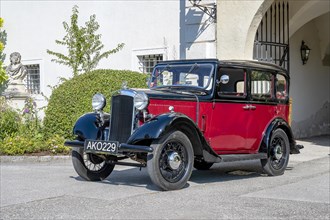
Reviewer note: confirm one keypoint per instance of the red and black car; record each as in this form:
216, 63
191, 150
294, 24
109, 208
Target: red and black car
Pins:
194, 114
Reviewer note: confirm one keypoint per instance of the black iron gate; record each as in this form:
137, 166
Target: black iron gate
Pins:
272, 38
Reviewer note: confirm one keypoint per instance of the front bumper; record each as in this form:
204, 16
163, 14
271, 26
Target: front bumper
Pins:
122, 147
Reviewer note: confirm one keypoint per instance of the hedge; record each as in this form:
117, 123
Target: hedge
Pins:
73, 97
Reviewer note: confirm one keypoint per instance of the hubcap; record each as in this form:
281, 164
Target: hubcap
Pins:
174, 160
278, 152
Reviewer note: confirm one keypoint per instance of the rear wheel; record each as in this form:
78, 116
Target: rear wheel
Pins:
279, 151
171, 162
90, 166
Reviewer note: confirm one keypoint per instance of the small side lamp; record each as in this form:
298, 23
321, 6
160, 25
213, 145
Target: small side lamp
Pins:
304, 50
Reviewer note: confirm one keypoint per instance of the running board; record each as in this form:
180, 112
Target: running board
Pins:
239, 157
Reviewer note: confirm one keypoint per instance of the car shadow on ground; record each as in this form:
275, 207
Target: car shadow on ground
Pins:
229, 171
323, 140
221, 172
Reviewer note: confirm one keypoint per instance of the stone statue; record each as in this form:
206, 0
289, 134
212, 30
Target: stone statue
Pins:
16, 70
17, 73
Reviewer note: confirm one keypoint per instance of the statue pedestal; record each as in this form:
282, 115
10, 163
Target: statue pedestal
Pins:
15, 89
17, 102
16, 95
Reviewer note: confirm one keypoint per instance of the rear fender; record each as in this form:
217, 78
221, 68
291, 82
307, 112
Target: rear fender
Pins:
160, 125
275, 124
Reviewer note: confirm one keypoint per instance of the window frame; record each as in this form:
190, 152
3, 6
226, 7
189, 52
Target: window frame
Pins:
232, 96
145, 64
272, 97
36, 85
287, 97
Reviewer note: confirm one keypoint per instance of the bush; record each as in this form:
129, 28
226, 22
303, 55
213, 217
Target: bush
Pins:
27, 144
22, 133
73, 97
9, 120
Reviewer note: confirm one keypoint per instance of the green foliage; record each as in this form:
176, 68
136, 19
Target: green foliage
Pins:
9, 120
55, 145
28, 144
23, 133
3, 40
73, 97
83, 44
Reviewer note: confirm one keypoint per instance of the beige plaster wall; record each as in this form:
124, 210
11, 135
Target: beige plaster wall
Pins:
234, 19
310, 82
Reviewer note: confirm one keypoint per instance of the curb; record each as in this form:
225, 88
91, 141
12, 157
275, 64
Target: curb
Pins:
33, 159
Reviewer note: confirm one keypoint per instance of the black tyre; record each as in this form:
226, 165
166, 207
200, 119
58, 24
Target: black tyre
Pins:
171, 162
279, 152
202, 165
90, 166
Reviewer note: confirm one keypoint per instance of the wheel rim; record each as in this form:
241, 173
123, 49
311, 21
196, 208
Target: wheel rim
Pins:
173, 161
93, 162
278, 153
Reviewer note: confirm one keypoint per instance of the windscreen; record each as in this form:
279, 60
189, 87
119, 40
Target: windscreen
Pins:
182, 75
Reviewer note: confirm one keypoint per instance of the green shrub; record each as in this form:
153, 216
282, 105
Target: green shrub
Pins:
9, 120
73, 97
27, 143
22, 133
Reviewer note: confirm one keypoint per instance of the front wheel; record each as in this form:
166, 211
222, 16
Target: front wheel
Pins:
279, 151
171, 162
90, 166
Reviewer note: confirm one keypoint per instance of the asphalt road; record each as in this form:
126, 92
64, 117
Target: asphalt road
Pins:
52, 190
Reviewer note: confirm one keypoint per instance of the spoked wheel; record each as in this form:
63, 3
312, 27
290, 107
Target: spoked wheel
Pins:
170, 164
278, 158
90, 166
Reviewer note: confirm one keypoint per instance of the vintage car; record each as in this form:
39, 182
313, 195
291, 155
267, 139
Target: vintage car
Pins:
194, 114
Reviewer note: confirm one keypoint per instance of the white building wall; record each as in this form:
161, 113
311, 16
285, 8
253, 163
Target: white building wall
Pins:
144, 26
198, 31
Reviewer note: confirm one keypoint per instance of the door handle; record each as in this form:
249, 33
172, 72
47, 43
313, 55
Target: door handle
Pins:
249, 107
246, 107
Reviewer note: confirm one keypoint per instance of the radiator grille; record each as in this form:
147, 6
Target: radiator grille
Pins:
122, 118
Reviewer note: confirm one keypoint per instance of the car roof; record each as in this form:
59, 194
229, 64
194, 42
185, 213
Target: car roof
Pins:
234, 63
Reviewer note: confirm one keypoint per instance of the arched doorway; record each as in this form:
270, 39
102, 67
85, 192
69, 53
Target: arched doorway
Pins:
306, 21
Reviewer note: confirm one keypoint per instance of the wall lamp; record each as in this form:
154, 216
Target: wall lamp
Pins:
304, 51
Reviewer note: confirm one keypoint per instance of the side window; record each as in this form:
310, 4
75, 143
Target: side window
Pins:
231, 83
281, 87
262, 85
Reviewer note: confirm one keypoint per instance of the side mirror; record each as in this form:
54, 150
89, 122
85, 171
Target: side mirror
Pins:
224, 79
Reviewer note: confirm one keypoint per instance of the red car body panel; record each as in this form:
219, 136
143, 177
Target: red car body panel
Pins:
226, 126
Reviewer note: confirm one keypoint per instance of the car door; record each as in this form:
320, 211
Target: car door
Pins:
228, 130
262, 107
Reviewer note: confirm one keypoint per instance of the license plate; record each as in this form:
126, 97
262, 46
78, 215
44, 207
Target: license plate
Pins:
105, 147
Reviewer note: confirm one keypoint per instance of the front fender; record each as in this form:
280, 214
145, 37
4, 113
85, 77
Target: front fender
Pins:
162, 124
276, 123
154, 128
86, 127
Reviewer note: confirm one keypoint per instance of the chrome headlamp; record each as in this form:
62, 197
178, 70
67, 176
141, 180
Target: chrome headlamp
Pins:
141, 101
98, 102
